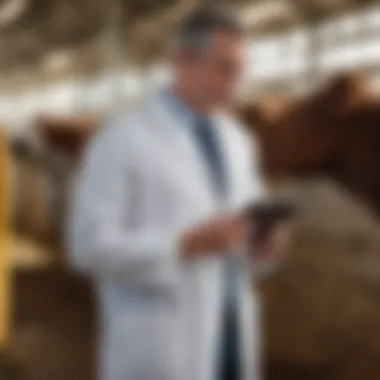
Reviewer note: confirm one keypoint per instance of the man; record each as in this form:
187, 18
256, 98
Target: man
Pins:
156, 221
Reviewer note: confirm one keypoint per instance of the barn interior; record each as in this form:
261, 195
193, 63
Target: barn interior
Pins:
66, 66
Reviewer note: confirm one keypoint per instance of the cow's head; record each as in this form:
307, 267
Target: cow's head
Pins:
302, 137
66, 135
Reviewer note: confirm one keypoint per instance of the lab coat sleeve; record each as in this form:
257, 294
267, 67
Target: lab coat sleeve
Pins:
102, 238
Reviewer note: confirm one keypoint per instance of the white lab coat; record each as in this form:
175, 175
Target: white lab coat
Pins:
142, 182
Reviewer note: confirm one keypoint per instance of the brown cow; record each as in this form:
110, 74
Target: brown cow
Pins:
63, 141
45, 169
334, 133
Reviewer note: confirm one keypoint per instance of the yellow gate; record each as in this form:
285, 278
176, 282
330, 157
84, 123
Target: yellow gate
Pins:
5, 237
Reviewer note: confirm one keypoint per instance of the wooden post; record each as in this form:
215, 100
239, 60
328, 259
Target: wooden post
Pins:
5, 236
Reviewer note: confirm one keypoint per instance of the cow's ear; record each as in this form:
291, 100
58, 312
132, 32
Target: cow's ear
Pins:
340, 87
343, 90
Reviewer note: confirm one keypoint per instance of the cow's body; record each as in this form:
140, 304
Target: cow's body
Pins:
334, 133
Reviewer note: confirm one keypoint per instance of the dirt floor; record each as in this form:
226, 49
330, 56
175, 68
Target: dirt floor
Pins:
54, 326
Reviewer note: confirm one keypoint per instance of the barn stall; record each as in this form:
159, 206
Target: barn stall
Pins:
63, 73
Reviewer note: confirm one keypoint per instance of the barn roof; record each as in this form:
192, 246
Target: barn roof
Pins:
63, 36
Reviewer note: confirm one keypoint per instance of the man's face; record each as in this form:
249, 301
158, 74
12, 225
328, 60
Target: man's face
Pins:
216, 73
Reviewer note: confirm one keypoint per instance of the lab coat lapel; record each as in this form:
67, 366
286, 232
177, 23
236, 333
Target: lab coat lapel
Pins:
183, 148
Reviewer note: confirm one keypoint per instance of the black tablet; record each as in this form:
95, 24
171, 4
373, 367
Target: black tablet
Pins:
275, 211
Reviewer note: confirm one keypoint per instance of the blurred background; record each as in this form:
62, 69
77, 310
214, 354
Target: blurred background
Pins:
66, 65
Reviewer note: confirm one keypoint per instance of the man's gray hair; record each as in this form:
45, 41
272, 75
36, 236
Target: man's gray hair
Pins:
198, 27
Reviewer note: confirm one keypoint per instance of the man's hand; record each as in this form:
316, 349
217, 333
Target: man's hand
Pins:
219, 235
